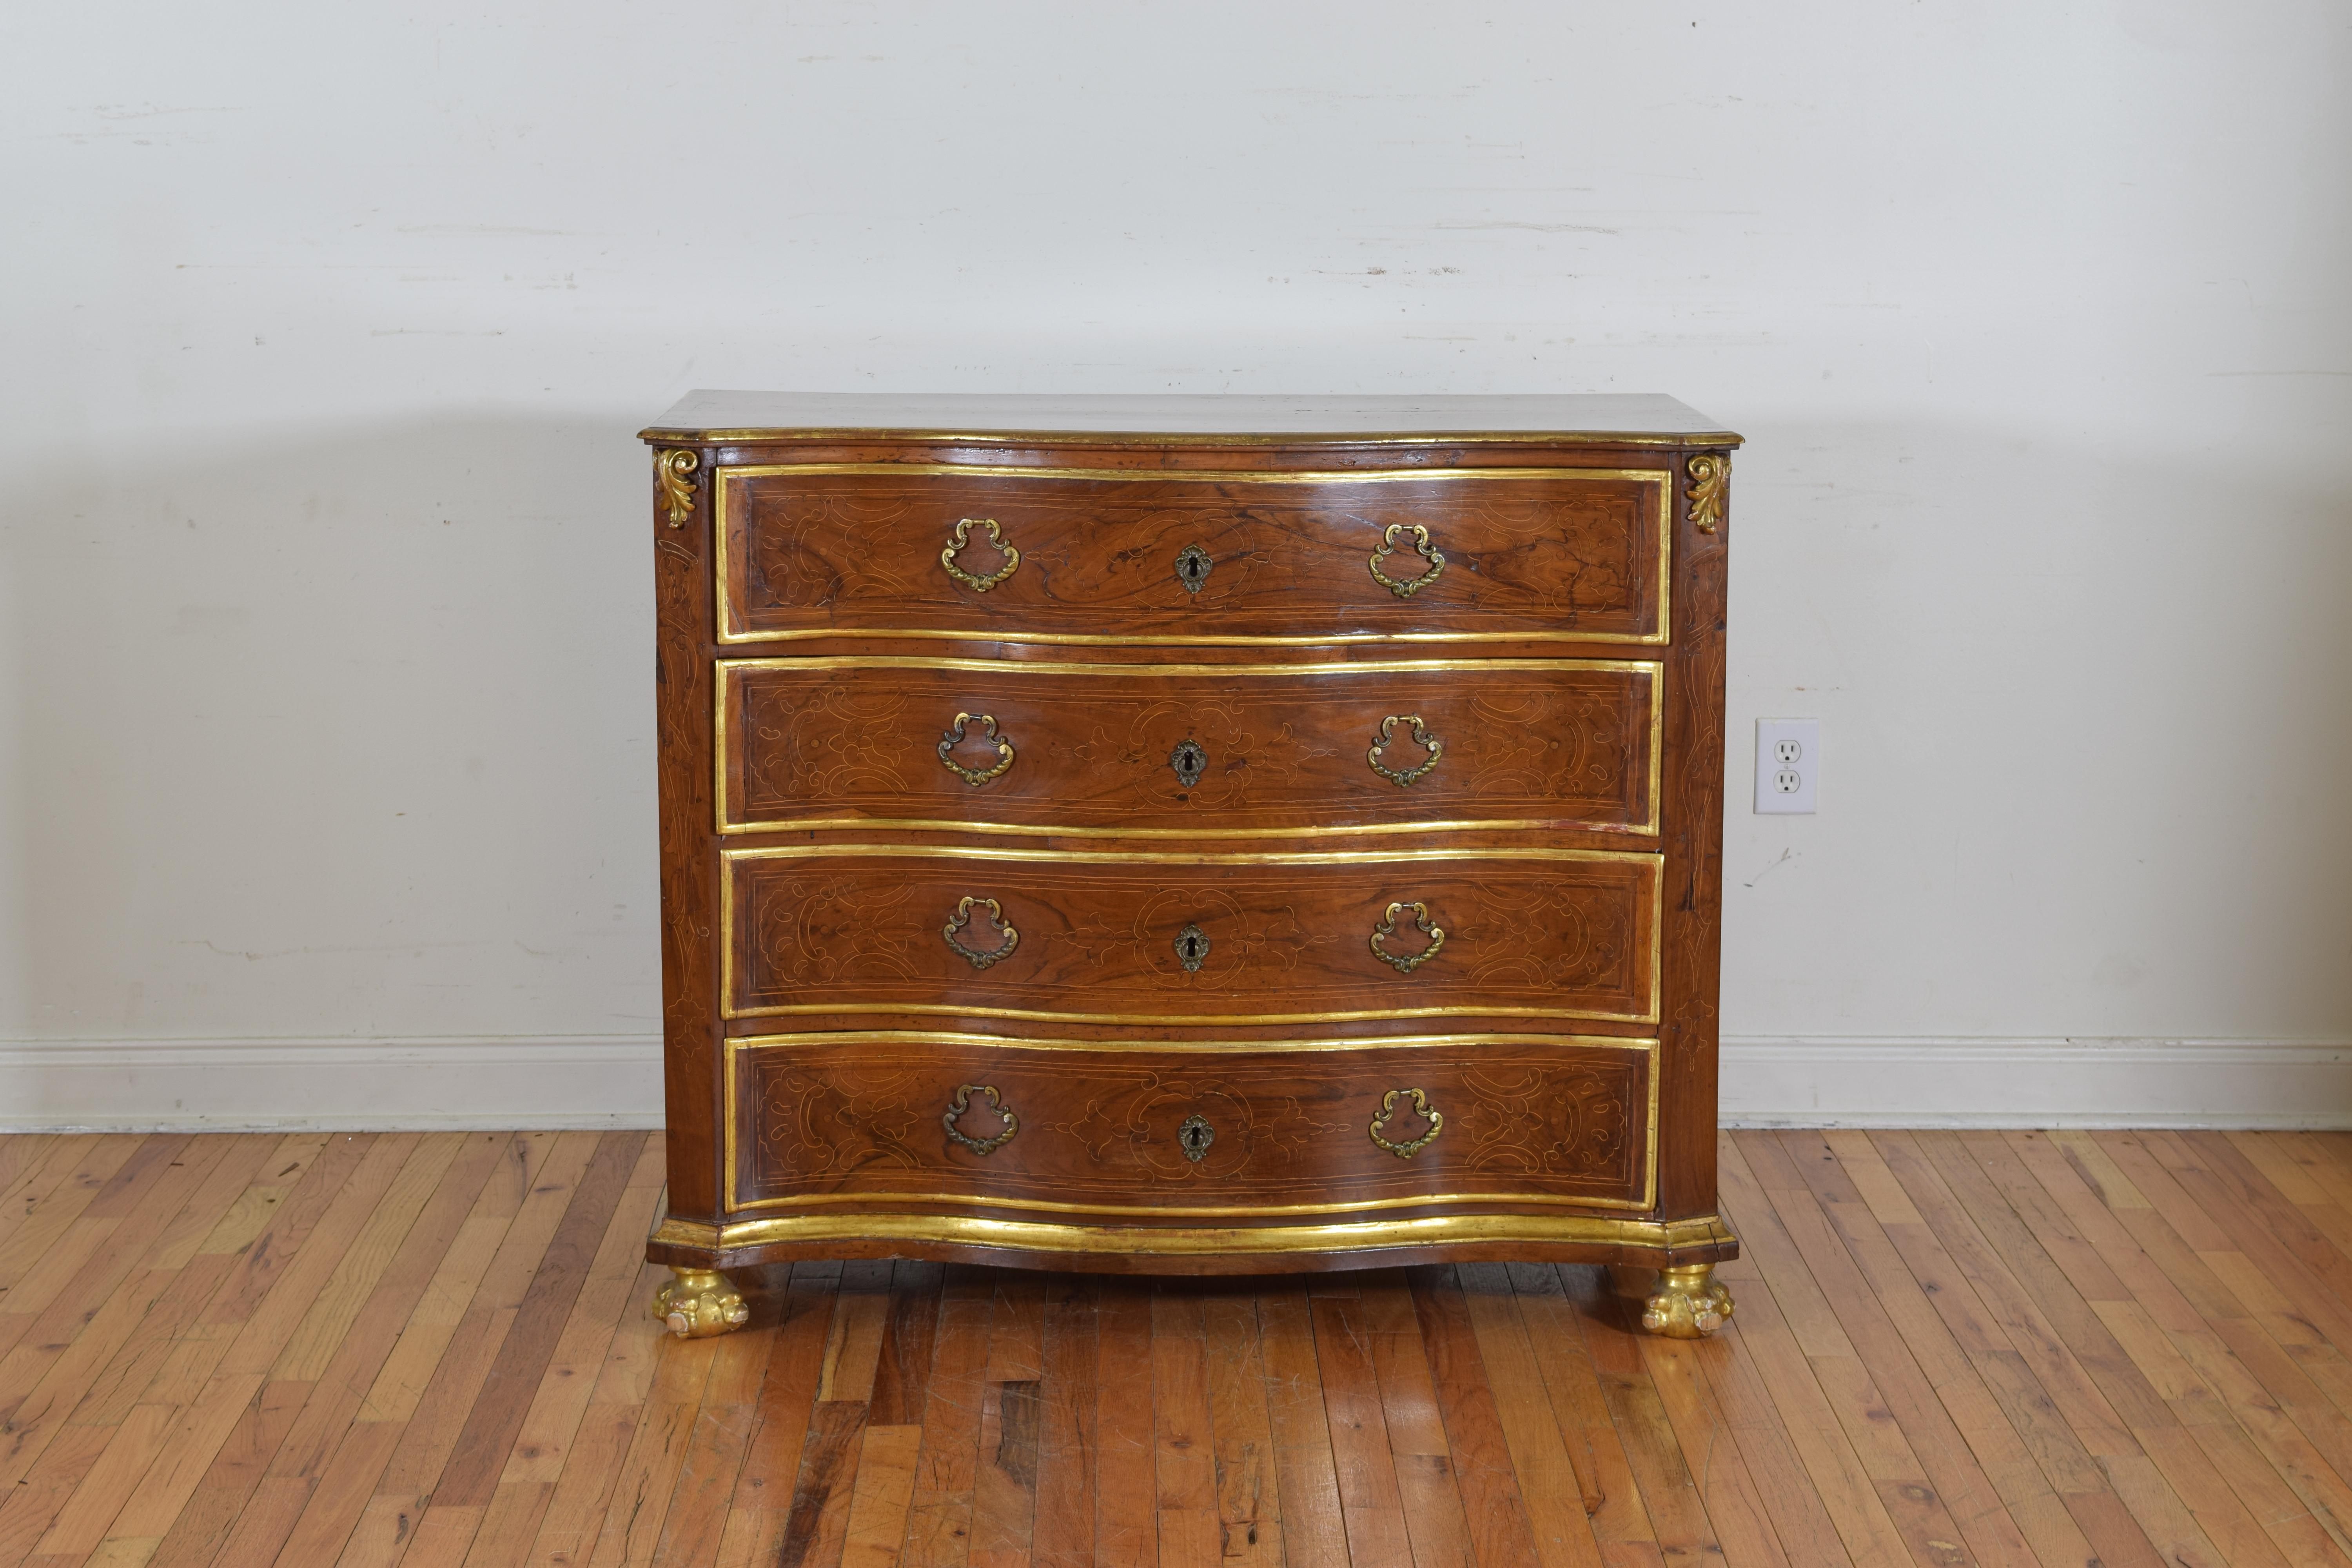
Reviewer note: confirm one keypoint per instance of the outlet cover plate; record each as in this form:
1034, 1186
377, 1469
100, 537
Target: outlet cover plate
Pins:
1788, 760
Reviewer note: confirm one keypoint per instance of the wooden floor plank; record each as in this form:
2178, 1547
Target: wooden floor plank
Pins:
1249, 1493
1979, 1303
1810, 1370
2012, 1348
1372, 1506
1314, 1533
1818, 1219
938, 1514
2272, 1469
1184, 1460
1519, 1493
1621, 1522
1067, 1444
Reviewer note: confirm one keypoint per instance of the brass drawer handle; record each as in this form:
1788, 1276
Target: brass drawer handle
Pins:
1388, 546
1420, 1108
1387, 928
963, 1100
995, 537
996, 918
1421, 737
954, 738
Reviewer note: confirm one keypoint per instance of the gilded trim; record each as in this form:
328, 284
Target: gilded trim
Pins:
1664, 1237
723, 577
734, 1045
722, 784
1654, 863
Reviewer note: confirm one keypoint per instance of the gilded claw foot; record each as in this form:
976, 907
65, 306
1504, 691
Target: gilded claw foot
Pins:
1688, 1303
698, 1303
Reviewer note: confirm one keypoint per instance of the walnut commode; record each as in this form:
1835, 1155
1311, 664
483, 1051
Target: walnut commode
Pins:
1191, 835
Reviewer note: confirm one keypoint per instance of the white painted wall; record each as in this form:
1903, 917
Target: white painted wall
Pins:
325, 716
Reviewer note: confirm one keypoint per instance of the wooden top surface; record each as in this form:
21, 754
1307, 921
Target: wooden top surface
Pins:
1642, 419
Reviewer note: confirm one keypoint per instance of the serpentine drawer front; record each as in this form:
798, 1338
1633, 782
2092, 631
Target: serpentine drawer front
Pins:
1103, 555
1146, 1131
1398, 749
1190, 833
1102, 936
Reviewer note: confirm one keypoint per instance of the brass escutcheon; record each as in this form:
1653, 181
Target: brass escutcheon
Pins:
954, 738
1190, 759
1192, 565
1421, 737
996, 918
1192, 948
1420, 1108
1420, 544
1387, 928
995, 537
1196, 1135
962, 1101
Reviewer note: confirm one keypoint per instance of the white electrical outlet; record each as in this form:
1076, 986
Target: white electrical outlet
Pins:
1788, 765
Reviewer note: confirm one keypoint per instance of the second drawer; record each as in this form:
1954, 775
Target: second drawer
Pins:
1198, 939
1188, 750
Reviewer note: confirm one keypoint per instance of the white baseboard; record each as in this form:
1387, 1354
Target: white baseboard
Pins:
343, 1085
1818, 1080
614, 1080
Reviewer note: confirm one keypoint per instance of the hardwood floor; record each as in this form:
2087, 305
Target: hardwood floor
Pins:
2003, 1348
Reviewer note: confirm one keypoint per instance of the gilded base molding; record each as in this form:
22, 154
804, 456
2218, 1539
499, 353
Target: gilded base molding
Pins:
699, 1303
1627, 1239
1688, 1303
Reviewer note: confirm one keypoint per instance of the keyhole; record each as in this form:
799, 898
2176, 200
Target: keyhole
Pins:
1194, 1137
1191, 947
1192, 565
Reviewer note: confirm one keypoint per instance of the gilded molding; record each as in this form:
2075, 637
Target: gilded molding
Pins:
674, 476
1710, 477
1660, 1238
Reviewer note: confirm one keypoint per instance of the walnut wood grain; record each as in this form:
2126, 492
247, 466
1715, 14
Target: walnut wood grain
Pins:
837, 929
1693, 846
1099, 1130
1572, 553
1544, 743
683, 609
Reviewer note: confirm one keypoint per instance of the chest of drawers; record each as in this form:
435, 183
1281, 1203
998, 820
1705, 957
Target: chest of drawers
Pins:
1190, 833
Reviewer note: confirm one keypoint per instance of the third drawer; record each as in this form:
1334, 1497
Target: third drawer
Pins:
1201, 939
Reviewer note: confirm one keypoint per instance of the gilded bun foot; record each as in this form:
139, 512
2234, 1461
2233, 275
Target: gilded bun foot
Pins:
1688, 1303
698, 1303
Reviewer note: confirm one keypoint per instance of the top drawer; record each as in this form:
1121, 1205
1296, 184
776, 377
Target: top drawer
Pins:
1103, 555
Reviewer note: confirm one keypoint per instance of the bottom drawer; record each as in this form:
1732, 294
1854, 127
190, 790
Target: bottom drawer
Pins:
1153, 1130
